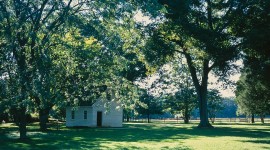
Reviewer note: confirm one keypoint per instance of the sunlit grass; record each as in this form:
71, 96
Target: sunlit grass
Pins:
141, 136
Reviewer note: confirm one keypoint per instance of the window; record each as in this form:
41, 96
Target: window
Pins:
72, 114
85, 114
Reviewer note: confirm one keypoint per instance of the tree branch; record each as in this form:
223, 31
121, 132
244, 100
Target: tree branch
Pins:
212, 66
192, 70
209, 14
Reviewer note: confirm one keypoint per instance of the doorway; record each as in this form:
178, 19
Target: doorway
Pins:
99, 118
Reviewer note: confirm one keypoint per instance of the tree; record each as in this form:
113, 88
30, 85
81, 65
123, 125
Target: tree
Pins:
215, 104
252, 97
176, 86
27, 38
71, 75
252, 26
200, 32
182, 102
153, 105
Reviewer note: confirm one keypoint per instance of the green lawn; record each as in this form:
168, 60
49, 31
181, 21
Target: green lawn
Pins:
141, 136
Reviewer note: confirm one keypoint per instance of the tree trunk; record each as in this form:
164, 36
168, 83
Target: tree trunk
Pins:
212, 116
43, 118
186, 115
262, 118
186, 120
204, 122
22, 123
202, 95
127, 118
252, 118
148, 117
201, 89
213, 119
22, 111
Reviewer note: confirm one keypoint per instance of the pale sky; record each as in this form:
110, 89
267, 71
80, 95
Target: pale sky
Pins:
139, 17
225, 92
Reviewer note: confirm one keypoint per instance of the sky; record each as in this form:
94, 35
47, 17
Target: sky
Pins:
225, 92
139, 17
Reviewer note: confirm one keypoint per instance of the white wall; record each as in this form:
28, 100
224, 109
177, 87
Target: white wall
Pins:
112, 116
79, 116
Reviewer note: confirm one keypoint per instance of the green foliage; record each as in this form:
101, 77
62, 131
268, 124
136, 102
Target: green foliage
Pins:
28, 37
179, 93
158, 49
251, 23
183, 102
215, 104
55, 53
152, 106
194, 26
252, 96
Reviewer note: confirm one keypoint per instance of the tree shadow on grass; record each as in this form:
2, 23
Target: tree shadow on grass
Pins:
259, 141
230, 131
90, 138
94, 138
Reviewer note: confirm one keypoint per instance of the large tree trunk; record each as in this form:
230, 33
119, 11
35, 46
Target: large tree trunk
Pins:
204, 122
43, 114
186, 120
202, 94
43, 118
201, 88
24, 83
22, 111
22, 123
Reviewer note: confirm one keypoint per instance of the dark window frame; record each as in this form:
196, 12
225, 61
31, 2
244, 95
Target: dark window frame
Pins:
85, 115
72, 114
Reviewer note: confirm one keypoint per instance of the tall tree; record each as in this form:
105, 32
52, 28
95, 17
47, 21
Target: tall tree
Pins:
198, 30
252, 25
252, 96
28, 27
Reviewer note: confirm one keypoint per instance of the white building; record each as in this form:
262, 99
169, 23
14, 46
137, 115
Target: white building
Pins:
97, 115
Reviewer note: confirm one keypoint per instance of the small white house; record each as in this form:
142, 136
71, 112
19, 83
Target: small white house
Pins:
96, 115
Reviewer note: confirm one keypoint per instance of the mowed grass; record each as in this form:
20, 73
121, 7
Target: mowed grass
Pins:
141, 136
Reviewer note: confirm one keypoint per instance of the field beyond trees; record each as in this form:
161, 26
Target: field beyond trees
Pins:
141, 136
